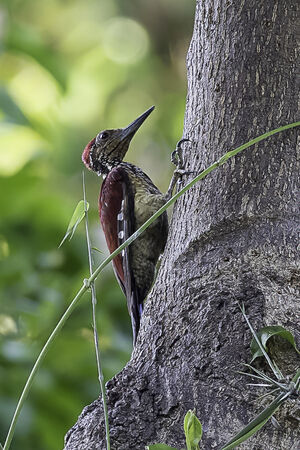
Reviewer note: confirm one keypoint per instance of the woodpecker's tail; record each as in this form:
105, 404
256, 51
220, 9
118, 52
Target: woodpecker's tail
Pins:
135, 308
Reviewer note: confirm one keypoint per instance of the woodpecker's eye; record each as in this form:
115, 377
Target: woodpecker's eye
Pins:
103, 135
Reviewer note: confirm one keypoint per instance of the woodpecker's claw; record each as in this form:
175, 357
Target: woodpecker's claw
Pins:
177, 160
176, 155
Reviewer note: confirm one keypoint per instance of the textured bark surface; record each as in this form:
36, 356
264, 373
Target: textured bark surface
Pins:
233, 239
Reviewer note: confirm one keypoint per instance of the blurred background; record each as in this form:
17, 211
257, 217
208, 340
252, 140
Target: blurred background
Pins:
69, 69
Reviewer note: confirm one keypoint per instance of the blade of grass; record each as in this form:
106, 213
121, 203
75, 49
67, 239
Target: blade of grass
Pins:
87, 282
250, 375
259, 385
260, 397
296, 378
257, 423
266, 377
275, 370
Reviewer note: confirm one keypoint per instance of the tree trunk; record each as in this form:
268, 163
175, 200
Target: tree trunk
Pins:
232, 240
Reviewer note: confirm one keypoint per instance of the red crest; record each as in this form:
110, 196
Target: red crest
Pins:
86, 154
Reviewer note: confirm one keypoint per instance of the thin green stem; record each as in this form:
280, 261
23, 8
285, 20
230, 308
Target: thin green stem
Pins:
38, 362
96, 336
87, 283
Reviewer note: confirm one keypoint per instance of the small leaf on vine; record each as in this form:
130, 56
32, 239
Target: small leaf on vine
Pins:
265, 334
76, 218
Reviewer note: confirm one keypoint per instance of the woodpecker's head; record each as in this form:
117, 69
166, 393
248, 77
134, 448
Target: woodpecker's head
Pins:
109, 147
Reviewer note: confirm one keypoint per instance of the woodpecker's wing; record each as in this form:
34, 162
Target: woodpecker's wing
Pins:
116, 206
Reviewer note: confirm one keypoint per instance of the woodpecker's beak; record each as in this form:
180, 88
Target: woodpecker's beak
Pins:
132, 128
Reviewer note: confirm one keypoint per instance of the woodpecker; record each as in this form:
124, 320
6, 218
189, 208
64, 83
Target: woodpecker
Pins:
127, 199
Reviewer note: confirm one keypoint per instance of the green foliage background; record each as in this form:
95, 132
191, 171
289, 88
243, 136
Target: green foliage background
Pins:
69, 69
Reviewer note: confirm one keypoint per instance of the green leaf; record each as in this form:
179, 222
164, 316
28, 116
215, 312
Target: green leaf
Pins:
160, 447
272, 366
257, 423
265, 334
77, 217
192, 430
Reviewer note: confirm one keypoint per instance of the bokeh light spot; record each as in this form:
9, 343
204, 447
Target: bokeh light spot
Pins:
34, 88
7, 325
17, 146
124, 40
4, 248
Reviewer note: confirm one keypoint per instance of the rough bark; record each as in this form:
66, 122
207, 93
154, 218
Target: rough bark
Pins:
233, 239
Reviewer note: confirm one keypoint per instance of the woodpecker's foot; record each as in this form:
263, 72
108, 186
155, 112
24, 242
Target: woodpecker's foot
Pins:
177, 159
176, 156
